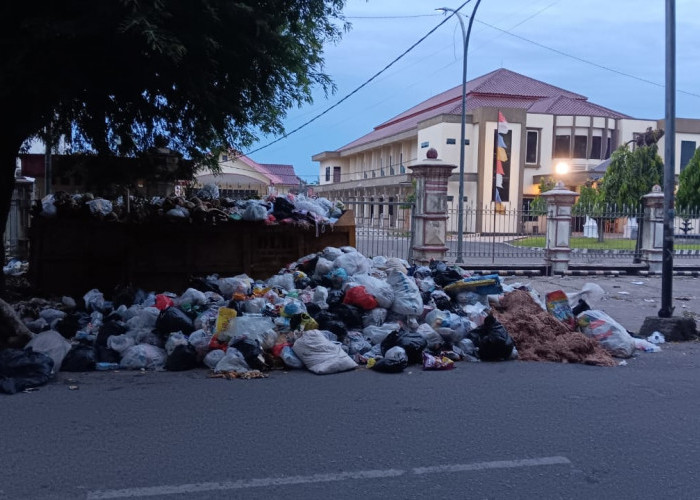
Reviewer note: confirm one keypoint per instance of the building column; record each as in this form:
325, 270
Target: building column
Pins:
430, 229
653, 229
558, 249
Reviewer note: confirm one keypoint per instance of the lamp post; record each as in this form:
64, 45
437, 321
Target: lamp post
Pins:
465, 35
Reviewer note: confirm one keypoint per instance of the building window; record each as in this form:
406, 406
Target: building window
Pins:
687, 152
224, 157
608, 148
527, 210
451, 141
532, 151
596, 147
562, 146
424, 144
336, 174
328, 174
580, 146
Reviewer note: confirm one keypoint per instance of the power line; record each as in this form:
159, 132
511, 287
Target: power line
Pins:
367, 82
580, 59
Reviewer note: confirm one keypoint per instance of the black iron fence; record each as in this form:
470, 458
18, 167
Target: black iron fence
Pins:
383, 228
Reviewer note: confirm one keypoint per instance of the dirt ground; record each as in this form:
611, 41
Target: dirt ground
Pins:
627, 299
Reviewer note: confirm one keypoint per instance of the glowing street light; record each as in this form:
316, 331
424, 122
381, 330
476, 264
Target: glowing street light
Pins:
561, 168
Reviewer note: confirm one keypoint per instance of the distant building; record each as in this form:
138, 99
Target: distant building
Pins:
550, 132
242, 178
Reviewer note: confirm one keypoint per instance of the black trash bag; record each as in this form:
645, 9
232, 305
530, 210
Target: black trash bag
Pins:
389, 341
22, 369
391, 365
174, 319
124, 295
323, 316
335, 297
69, 325
110, 327
302, 283
442, 300
350, 315
204, 285
252, 353
336, 327
80, 358
313, 309
307, 264
580, 307
106, 355
492, 340
414, 344
282, 208
183, 357
442, 274
426, 296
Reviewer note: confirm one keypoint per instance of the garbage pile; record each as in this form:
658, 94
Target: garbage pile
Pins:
327, 312
206, 207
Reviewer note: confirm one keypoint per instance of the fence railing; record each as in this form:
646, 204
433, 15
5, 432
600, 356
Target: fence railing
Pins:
383, 228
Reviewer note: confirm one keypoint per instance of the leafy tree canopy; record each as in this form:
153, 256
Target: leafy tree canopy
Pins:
118, 73
538, 206
688, 195
631, 175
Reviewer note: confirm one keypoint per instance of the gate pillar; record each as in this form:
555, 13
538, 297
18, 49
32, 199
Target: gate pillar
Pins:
653, 229
558, 249
430, 212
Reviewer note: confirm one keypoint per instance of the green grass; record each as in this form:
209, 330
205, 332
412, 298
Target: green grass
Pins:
594, 244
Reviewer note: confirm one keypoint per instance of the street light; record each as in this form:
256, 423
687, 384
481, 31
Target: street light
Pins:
465, 36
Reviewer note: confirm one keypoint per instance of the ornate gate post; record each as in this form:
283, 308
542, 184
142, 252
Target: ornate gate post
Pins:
558, 249
430, 219
653, 229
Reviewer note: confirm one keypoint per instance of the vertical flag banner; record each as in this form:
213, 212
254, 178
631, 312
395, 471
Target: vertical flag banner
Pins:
501, 171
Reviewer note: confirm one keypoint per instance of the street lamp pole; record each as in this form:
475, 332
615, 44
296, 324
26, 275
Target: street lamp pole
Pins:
465, 36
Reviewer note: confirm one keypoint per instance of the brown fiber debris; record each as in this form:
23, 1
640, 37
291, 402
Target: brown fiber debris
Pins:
539, 336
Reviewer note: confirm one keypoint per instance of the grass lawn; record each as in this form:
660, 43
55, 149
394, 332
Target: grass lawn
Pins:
594, 244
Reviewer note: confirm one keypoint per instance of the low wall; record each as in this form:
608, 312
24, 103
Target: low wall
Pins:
72, 256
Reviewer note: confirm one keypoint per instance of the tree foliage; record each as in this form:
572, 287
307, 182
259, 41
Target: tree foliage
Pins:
688, 195
631, 175
538, 206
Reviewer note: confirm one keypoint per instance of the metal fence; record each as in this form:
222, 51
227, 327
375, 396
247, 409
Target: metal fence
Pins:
606, 234
383, 228
495, 235
686, 233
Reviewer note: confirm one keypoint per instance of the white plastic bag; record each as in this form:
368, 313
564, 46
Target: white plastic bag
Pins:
407, 297
611, 335
232, 361
120, 343
320, 355
143, 356
53, 345
379, 289
353, 263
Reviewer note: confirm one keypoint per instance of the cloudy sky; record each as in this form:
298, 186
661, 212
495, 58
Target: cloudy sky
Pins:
612, 51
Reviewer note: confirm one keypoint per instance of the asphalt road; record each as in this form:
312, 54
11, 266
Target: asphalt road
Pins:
483, 430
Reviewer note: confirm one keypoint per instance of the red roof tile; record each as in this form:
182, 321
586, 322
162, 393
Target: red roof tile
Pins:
284, 172
500, 88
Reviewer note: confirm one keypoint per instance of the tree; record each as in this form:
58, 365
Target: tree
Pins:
115, 74
688, 195
538, 206
631, 175
590, 204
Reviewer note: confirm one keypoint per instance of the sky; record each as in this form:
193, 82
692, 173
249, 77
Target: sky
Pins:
611, 51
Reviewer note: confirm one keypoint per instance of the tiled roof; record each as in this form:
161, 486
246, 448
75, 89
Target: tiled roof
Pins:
500, 88
260, 168
562, 105
284, 172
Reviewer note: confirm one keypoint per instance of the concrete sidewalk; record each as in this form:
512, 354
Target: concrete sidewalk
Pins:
627, 299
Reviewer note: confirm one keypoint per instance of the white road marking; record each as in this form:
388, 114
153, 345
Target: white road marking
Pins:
265, 482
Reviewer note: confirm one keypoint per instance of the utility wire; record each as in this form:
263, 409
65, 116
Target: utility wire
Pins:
367, 82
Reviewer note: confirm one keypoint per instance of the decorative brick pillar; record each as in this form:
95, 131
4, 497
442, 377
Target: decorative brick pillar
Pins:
558, 250
430, 214
653, 229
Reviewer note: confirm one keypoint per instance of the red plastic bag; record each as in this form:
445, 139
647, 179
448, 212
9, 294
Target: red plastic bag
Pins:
431, 362
163, 301
358, 296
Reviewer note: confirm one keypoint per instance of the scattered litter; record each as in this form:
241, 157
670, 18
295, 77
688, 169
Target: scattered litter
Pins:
623, 293
656, 338
622, 363
637, 282
649, 300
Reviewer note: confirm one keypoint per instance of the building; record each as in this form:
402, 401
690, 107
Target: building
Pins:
549, 132
243, 178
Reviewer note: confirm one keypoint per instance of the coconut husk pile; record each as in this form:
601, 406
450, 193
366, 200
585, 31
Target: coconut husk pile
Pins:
539, 336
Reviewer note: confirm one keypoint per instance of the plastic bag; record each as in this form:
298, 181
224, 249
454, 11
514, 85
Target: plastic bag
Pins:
21, 369
412, 342
175, 339
81, 358
240, 284
213, 357
143, 356
52, 344
358, 296
376, 317
192, 297
590, 293
356, 343
120, 343
94, 300
431, 362
381, 290
407, 299
99, 206
255, 211
182, 357
492, 340
174, 319
284, 281
353, 263
320, 355
395, 360
232, 361
376, 334
611, 335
